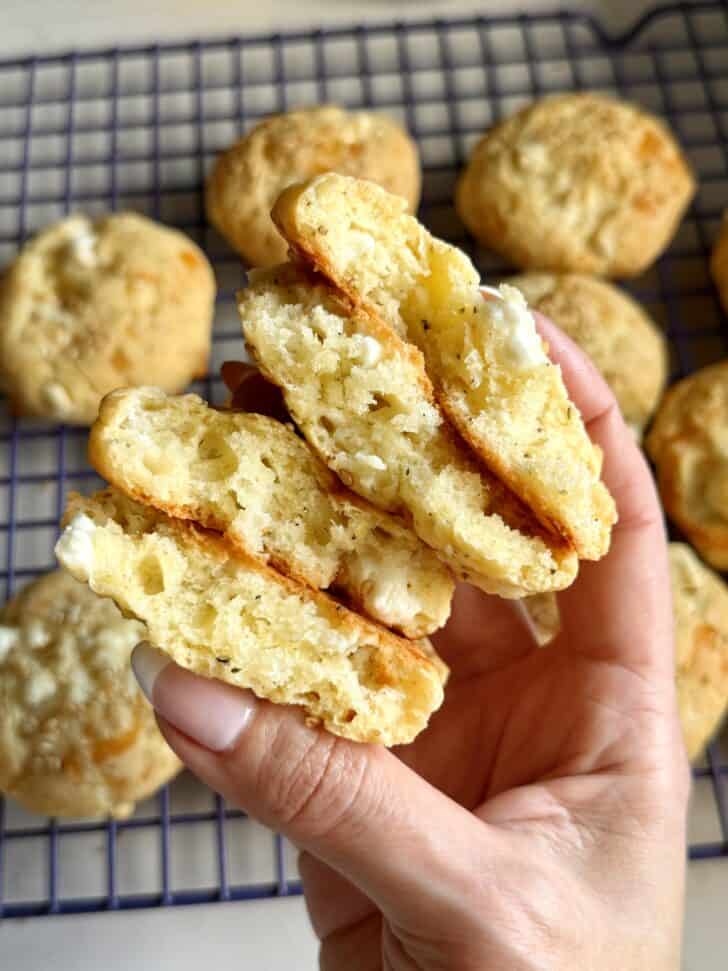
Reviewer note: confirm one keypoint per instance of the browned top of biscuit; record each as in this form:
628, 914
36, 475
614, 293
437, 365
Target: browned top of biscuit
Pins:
688, 443
246, 179
700, 601
576, 182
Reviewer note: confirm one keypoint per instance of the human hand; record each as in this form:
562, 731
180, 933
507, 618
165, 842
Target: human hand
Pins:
539, 822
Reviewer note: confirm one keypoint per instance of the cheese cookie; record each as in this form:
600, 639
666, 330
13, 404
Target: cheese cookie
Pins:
221, 613
77, 737
688, 443
87, 307
700, 602
576, 182
254, 479
490, 371
612, 328
247, 179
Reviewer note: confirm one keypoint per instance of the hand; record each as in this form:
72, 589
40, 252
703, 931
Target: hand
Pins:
539, 822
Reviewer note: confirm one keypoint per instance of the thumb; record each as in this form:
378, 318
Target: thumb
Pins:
357, 807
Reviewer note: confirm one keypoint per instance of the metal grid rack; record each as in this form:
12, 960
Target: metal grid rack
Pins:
137, 128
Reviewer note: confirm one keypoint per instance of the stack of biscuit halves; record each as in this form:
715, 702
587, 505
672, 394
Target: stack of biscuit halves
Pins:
430, 440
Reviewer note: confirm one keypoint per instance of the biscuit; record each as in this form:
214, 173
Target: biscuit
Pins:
247, 179
719, 262
612, 328
91, 306
687, 443
576, 182
363, 400
220, 613
489, 367
77, 736
700, 603
256, 481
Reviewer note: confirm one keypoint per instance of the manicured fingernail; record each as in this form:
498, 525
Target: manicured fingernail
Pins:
147, 663
210, 712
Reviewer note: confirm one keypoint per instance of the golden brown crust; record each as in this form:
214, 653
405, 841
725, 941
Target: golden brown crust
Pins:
87, 307
221, 613
619, 337
686, 444
498, 390
253, 479
400, 454
576, 183
247, 178
719, 262
77, 737
700, 601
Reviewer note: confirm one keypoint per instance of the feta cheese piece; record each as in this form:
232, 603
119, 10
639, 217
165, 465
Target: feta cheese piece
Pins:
75, 549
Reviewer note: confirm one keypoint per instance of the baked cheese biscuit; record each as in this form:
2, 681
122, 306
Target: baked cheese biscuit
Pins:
491, 374
254, 479
363, 400
700, 602
220, 613
91, 306
77, 736
612, 328
719, 262
577, 182
247, 179
688, 443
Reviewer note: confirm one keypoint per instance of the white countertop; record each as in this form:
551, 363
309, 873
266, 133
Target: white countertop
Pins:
263, 934
33, 26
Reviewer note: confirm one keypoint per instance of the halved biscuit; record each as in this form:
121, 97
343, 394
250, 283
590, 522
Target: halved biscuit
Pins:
220, 613
247, 178
489, 367
363, 400
619, 336
255, 480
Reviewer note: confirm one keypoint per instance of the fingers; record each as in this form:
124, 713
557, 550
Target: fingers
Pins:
619, 609
356, 807
625, 472
333, 902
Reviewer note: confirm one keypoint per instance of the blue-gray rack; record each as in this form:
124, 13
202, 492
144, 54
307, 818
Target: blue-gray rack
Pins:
138, 127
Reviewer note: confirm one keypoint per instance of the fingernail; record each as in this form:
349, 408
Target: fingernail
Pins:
210, 712
147, 663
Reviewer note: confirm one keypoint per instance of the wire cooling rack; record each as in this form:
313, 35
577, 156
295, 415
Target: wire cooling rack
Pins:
137, 128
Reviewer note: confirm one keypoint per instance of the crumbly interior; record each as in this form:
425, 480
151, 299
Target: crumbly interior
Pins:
78, 736
222, 614
487, 363
258, 482
363, 400
623, 342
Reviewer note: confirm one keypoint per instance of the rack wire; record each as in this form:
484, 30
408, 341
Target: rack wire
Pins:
137, 128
